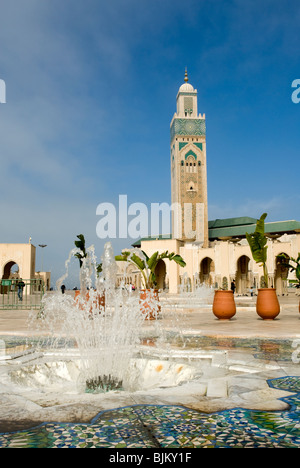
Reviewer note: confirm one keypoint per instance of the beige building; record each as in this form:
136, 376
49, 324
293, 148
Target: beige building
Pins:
216, 252
19, 261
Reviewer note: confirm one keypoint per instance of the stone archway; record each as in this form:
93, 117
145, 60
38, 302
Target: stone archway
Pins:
160, 273
131, 277
243, 275
10, 270
207, 267
281, 275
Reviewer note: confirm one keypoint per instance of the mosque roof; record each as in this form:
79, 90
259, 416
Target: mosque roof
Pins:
229, 222
152, 238
186, 87
234, 228
237, 227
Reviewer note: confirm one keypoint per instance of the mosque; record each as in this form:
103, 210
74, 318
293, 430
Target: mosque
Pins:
216, 252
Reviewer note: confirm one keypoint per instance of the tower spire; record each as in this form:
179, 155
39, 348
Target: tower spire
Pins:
186, 78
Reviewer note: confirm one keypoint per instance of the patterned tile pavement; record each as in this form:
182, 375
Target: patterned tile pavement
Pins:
147, 426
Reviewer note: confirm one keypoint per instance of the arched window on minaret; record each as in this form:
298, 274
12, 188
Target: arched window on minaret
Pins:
191, 164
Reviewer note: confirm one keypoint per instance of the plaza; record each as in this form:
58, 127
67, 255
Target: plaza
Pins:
245, 391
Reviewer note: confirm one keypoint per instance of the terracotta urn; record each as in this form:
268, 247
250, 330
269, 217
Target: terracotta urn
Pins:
98, 302
224, 307
149, 303
267, 304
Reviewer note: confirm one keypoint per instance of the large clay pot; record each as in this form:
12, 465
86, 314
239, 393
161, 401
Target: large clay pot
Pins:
267, 304
98, 302
224, 307
149, 303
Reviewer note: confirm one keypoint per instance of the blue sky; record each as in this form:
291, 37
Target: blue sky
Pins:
91, 90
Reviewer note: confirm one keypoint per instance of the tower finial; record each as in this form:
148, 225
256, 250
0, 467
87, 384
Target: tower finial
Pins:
186, 78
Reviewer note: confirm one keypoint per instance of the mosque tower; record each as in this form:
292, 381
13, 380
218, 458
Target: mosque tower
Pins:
188, 168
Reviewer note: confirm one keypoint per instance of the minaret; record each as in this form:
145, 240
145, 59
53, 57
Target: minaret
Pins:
188, 168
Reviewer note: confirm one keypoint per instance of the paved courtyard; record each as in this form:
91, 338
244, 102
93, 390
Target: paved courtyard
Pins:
247, 395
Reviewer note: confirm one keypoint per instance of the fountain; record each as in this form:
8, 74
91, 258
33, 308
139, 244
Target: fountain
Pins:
104, 334
86, 356
101, 346
88, 345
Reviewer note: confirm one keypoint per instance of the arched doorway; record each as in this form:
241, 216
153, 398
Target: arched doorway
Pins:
243, 275
281, 274
10, 270
131, 278
160, 273
207, 267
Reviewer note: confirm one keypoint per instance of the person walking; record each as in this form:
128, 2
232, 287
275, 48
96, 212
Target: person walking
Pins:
21, 286
233, 286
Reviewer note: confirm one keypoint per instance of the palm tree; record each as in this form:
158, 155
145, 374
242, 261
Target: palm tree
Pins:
147, 265
258, 245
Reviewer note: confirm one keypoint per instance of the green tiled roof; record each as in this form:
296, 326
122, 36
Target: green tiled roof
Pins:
236, 227
160, 237
230, 222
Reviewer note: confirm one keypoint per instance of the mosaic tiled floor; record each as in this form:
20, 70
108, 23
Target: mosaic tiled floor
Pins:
144, 426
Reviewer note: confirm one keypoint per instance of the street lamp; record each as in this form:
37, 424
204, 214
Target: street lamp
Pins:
42, 246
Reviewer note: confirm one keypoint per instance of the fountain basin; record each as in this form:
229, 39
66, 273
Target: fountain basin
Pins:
54, 374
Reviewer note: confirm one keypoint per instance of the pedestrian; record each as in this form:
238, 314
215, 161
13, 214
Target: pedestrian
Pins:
63, 288
21, 286
232, 287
